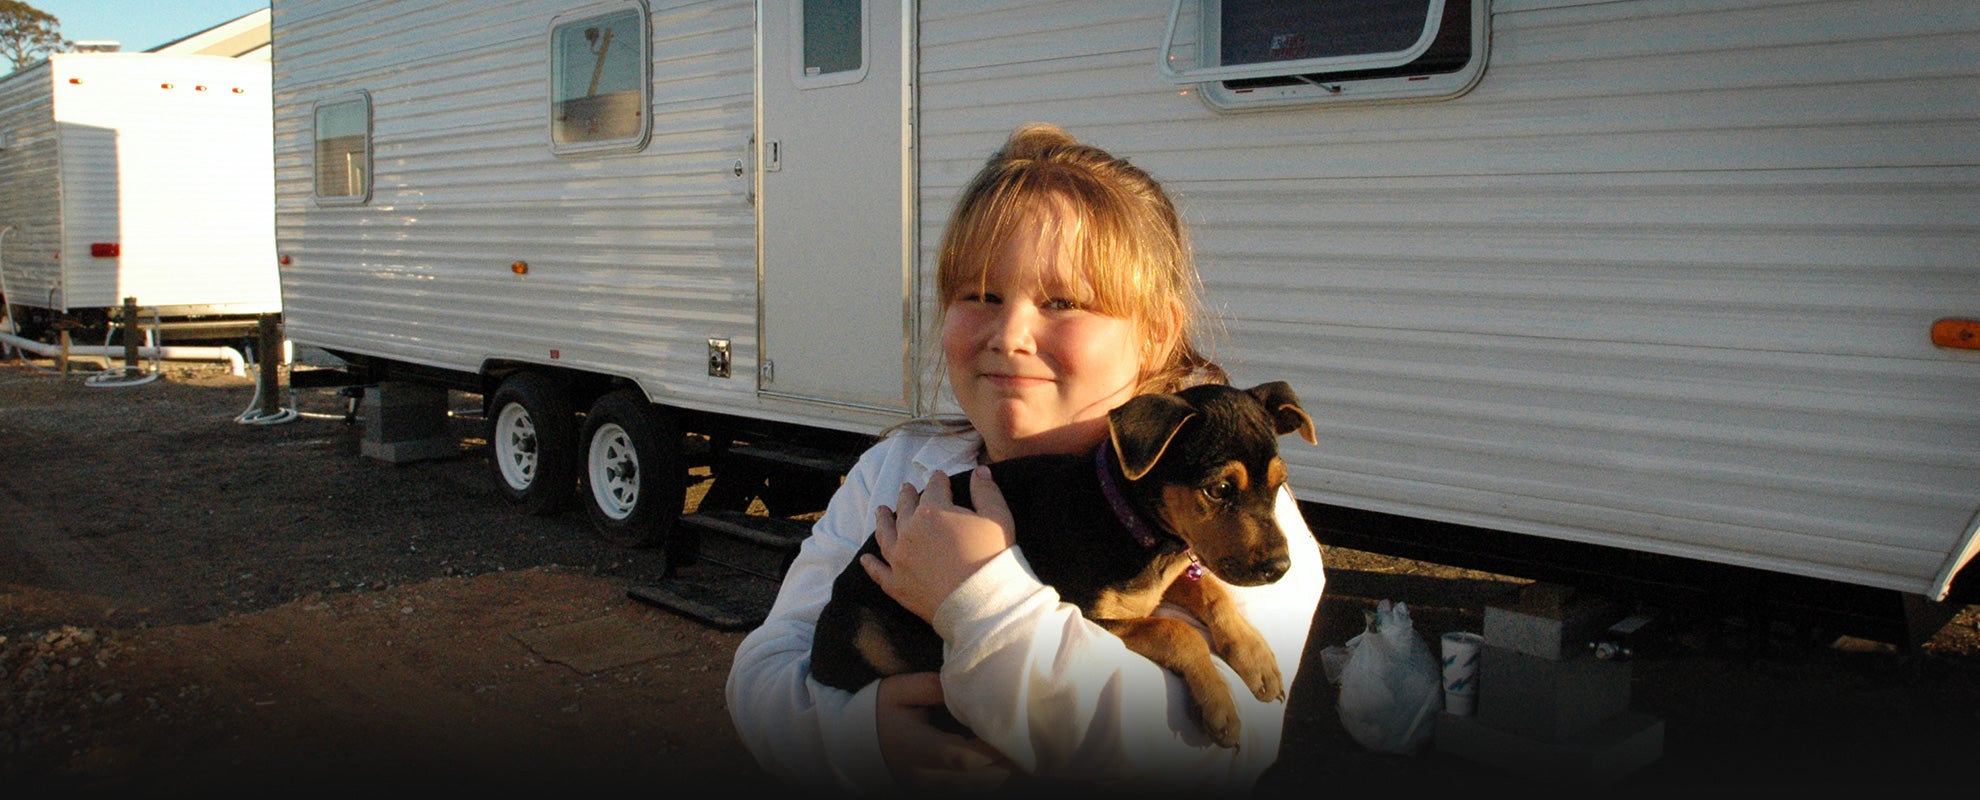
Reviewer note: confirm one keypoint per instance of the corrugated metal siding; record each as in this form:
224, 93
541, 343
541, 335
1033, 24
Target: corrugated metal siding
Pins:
92, 204
1662, 281
635, 259
29, 190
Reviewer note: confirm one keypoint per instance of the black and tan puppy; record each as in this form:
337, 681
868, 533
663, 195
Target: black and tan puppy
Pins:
1184, 479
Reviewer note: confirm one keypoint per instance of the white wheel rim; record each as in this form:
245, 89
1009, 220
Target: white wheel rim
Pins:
516, 446
613, 466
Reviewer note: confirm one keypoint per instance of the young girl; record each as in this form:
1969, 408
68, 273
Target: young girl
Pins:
1066, 288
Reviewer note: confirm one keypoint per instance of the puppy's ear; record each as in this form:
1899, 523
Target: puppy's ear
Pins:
1287, 416
1142, 428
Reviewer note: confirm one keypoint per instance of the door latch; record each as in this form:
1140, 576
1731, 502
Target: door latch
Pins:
718, 358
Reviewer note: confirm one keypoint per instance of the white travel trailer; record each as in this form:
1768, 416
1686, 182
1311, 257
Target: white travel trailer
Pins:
145, 177
1674, 296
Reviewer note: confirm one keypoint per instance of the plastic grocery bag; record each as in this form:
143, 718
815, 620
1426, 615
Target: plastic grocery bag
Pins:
1390, 692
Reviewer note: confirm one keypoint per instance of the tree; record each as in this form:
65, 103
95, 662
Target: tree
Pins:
28, 34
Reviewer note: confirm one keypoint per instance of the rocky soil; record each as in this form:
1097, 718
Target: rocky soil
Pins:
193, 602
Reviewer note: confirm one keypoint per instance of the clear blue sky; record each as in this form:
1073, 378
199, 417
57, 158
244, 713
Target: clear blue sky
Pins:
140, 25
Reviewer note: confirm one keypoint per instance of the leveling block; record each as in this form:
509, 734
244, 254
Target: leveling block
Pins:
1548, 708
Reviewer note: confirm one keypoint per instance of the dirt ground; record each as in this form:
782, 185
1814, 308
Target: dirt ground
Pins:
192, 602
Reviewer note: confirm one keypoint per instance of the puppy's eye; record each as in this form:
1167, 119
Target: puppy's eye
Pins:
1220, 491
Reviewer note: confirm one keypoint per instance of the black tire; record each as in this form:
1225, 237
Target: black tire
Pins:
633, 474
533, 444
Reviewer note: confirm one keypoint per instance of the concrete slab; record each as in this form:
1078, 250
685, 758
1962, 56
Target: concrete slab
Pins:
600, 643
405, 422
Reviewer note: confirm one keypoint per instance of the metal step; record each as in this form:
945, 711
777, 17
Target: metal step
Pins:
712, 594
797, 456
788, 479
758, 545
734, 560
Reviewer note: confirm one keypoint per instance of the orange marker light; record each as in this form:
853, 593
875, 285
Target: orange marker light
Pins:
1963, 334
520, 268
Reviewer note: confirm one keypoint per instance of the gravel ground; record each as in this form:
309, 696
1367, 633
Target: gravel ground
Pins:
190, 602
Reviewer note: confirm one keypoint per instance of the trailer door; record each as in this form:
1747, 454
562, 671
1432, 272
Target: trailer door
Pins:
833, 212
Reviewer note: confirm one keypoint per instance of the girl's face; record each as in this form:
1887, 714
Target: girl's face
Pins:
1033, 369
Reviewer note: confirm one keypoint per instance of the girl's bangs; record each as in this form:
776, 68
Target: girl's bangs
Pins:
1099, 264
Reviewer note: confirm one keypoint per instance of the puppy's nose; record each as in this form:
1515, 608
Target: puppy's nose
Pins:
1259, 573
1274, 569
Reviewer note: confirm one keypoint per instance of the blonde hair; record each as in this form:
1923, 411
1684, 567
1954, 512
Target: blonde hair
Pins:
1120, 231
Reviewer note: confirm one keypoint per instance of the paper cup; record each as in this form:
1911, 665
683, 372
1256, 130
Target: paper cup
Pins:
1460, 651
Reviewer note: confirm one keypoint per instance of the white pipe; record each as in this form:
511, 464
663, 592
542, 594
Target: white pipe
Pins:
236, 364
170, 352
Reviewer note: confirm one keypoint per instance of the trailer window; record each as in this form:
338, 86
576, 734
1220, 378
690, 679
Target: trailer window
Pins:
598, 85
830, 39
1262, 53
343, 149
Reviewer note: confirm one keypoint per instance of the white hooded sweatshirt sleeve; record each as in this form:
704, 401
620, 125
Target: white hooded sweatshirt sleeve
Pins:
806, 733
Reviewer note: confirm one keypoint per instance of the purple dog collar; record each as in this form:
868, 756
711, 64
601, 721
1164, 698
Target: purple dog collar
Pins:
1126, 513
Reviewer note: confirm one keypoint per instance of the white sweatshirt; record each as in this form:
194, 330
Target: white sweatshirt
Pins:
1059, 696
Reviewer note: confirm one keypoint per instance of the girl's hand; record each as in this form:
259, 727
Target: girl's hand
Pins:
930, 545
923, 756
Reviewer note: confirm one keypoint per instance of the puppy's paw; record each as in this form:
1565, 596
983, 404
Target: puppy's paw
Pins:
1219, 718
1252, 659
1267, 687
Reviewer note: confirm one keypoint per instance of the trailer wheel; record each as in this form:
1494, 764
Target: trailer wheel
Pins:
635, 472
533, 437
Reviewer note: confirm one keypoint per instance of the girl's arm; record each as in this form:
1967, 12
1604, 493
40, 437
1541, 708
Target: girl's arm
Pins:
1063, 698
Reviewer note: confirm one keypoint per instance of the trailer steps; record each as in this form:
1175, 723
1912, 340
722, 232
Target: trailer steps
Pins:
759, 546
721, 598
789, 479
731, 553
734, 562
